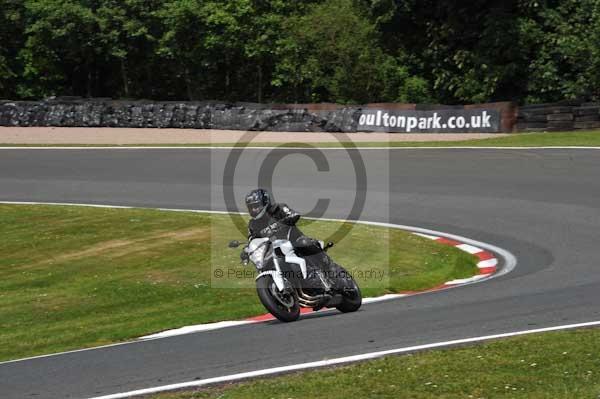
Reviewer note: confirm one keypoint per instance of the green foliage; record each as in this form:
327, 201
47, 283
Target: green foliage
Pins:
61, 47
128, 31
11, 40
593, 71
332, 53
346, 51
321, 58
561, 50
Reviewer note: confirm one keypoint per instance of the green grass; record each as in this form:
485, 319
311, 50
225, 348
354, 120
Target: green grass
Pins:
74, 277
579, 138
546, 366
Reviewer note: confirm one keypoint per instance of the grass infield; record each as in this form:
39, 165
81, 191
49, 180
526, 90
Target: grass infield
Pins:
558, 365
74, 277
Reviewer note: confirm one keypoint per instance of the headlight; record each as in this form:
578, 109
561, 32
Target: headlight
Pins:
256, 249
257, 257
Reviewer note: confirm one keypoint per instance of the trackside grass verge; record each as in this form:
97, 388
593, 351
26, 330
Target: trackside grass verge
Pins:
556, 365
575, 139
74, 277
554, 139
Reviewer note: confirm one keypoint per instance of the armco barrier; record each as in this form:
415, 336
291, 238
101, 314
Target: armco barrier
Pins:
501, 117
563, 116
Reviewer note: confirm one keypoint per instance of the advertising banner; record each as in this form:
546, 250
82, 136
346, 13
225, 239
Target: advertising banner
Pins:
435, 121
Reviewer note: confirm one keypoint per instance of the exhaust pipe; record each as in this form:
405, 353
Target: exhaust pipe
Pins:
310, 301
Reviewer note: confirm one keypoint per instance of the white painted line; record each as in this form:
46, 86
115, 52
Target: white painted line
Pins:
116, 207
198, 328
469, 248
67, 204
426, 236
510, 261
382, 298
225, 324
358, 147
488, 263
336, 361
468, 280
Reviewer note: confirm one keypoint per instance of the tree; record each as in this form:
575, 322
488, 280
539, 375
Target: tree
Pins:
201, 39
466, 49
349, 51
262, 37
593, 71
488, 50
12, 27
560, 42
128, 30
332, 54
62, 48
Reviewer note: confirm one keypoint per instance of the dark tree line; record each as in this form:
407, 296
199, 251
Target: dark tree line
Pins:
346, 51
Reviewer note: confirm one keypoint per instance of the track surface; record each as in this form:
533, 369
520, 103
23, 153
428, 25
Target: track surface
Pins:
542, 205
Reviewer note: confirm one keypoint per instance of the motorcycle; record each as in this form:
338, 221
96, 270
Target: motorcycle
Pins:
293, 277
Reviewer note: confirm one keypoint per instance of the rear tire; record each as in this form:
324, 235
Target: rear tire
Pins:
267, 293
352, 300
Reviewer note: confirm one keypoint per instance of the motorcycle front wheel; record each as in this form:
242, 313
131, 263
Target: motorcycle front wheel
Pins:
283, 305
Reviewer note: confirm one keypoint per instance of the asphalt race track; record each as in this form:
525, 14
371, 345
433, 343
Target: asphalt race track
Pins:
541, 205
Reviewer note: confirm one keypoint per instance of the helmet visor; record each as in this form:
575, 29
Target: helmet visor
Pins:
255, 208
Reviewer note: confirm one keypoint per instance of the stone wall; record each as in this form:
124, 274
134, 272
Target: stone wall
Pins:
325, 117
74, 112
564, 116
103, 112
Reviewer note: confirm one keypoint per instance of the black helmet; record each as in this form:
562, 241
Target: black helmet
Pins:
258, 201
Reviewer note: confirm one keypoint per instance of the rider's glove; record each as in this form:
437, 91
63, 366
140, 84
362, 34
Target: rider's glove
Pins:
244, 257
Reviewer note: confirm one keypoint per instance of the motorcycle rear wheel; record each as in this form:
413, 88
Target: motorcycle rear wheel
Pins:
284, 307
352, 299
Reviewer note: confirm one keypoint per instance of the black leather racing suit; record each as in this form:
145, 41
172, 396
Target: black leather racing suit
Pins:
277, 221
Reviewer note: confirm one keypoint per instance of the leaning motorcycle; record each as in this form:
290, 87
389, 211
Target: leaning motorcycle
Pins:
290, 278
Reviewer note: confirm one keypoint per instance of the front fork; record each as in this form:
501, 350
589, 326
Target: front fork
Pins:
275, 274
290, 257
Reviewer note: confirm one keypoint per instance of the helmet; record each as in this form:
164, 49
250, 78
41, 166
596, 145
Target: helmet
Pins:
258, 201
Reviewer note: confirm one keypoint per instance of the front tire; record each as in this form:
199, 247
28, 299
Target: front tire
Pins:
284, 307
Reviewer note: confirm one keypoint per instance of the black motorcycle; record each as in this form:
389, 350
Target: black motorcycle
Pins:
291, 277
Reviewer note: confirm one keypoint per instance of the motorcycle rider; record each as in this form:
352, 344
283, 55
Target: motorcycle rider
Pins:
270, 219
322, 283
